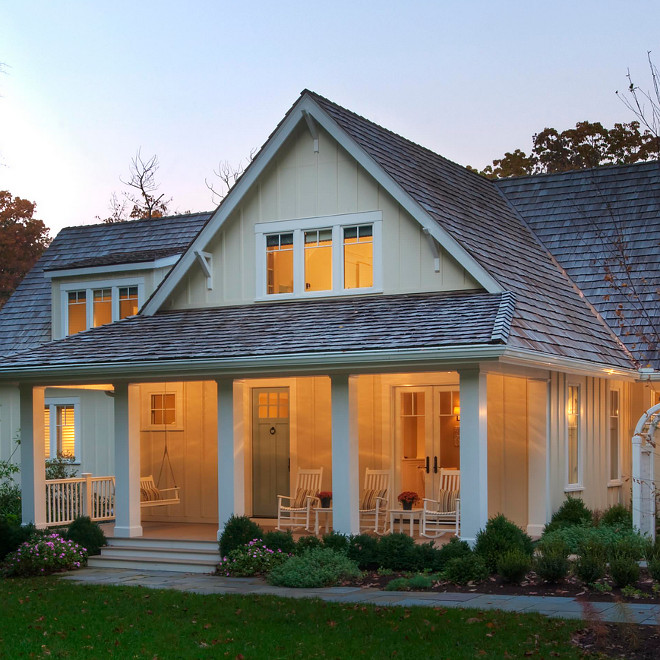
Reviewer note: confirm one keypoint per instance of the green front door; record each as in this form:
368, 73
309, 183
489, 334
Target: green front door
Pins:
270, 449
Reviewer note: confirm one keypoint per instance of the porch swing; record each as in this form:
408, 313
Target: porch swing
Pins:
150, 493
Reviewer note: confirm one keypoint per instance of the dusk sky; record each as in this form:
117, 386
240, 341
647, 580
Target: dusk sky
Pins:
85, 84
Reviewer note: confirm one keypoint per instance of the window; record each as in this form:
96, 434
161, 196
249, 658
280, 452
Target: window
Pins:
163, 409
60, 429
573, 435
615, 434
98, 304
319, 256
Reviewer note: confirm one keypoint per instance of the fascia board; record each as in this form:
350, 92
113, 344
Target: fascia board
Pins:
522, 357
236, 194
419, 359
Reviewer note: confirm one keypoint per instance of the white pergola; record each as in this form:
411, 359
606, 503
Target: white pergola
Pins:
643, 477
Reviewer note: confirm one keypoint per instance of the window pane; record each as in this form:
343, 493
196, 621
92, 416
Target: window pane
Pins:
358, 257
102, 307
279, 263
413, 424
573, 417
614, 434
77, 312
47, 430
318, 260
66, 445
128, 301
163, 408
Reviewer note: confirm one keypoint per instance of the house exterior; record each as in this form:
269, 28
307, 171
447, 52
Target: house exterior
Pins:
356, 301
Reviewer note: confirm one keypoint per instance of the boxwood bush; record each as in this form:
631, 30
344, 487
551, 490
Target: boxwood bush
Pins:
238, 531
279, 540
87, 534
363, 550
500, 536
572, 512
551, 564
317, 567
468, 568
613, 539
514, 565
617, 516
397, 551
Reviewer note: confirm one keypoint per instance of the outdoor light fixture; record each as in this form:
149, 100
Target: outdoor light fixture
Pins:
457, 412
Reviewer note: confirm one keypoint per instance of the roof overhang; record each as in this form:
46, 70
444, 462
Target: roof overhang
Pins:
304, 108
152, 264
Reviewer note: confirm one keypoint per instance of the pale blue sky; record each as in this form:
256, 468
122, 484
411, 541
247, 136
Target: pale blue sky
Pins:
197, 82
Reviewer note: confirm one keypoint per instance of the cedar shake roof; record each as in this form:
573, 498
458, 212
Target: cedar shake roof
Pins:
25, 319
551, 316
599, 220
287, 328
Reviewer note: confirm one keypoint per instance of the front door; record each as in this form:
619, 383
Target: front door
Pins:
428, 428
270, 449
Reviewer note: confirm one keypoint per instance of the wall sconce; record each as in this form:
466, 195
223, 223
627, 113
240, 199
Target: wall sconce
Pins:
457, 412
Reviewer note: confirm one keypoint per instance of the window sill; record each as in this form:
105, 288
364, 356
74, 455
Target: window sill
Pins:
615, 483
343, 293
576, 488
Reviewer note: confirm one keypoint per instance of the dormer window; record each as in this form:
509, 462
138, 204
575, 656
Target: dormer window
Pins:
98, 304
332, 255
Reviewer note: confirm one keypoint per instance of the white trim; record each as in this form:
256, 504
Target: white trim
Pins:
573, 488
52, 403
89, 288
259, 164
112, 268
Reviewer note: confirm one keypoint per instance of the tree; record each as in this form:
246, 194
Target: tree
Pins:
22, 240
587, 145
146, 203
228, 175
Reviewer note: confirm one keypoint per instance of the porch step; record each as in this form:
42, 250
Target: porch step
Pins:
158, 554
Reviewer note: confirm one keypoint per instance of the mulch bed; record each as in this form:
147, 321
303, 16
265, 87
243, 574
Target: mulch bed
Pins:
620, 640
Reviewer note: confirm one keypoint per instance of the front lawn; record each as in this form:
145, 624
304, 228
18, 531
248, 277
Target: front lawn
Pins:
44, 616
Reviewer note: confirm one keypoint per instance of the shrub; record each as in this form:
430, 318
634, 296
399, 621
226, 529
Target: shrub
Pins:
10, 500
363, 549
415, 583
426, 557
238, 531
572, 512
577, 535
278, 540
617, 516
317, 567
87, 534
42, 555
397, 584
514, 565
590, 565
254, 558
336, 541
654, 568
396, 551
624, 570
469, 568
552, 564
500, 536
307, 543
455, 548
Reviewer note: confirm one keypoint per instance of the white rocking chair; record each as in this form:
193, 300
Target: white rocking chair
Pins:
375, 501
442, 515
295, 511
151, 495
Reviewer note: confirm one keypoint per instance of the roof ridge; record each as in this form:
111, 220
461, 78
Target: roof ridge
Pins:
132, 223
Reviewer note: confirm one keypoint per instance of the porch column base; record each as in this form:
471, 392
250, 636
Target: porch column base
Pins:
127, 532
535, 530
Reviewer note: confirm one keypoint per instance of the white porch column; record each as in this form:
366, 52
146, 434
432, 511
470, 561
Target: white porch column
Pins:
127, 465
231, 468
474, 453
345, 456
33, 456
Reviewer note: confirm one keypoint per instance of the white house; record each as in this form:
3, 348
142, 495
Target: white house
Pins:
355, 302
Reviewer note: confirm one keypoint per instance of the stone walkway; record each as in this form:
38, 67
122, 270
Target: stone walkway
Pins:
556, 606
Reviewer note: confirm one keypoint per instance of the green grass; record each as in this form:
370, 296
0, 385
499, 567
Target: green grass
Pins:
44, 616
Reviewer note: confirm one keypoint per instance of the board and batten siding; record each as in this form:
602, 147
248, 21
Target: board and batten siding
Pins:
302, 184
10, 426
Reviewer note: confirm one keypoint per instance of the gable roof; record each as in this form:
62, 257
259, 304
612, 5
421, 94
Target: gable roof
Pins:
25, 319
409, 326
599, 221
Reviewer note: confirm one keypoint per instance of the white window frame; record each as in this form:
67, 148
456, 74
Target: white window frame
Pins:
298, 227
52, 404
617, 481
147, 390
89, 288
579, 486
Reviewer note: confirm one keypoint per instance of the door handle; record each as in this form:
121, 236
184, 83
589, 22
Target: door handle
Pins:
435, 465
428, 469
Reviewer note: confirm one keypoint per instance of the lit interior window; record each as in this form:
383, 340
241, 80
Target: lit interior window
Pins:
47, 430
163, 408
273, 405
573, 417
128, 301
77, 311
318, 260
614, 434
60, 431
358, 257
279, 263
102, 307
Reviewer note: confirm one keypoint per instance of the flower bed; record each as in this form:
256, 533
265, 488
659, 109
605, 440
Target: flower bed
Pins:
43, 555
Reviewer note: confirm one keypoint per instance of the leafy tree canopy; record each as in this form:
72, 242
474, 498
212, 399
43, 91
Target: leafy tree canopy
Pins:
22, 240
587, 145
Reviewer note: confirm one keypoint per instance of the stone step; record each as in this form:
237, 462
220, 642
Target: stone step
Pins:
167, 544
210, 555
154, 564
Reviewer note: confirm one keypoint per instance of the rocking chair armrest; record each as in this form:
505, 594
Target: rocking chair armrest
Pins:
379, 500
284, 497
317, 500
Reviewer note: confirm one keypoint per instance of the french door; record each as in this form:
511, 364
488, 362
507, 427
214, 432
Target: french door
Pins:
428, 435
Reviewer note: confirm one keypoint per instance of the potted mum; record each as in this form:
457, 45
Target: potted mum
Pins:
326, 497
407, 499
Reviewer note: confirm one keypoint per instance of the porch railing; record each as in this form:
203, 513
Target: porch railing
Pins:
67, 499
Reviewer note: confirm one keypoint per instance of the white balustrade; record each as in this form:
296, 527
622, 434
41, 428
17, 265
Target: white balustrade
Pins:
67, 499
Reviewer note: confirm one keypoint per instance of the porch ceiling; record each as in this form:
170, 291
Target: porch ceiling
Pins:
282, 330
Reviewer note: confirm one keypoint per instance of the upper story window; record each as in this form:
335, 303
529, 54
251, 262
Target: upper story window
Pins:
319, 256
98, 304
